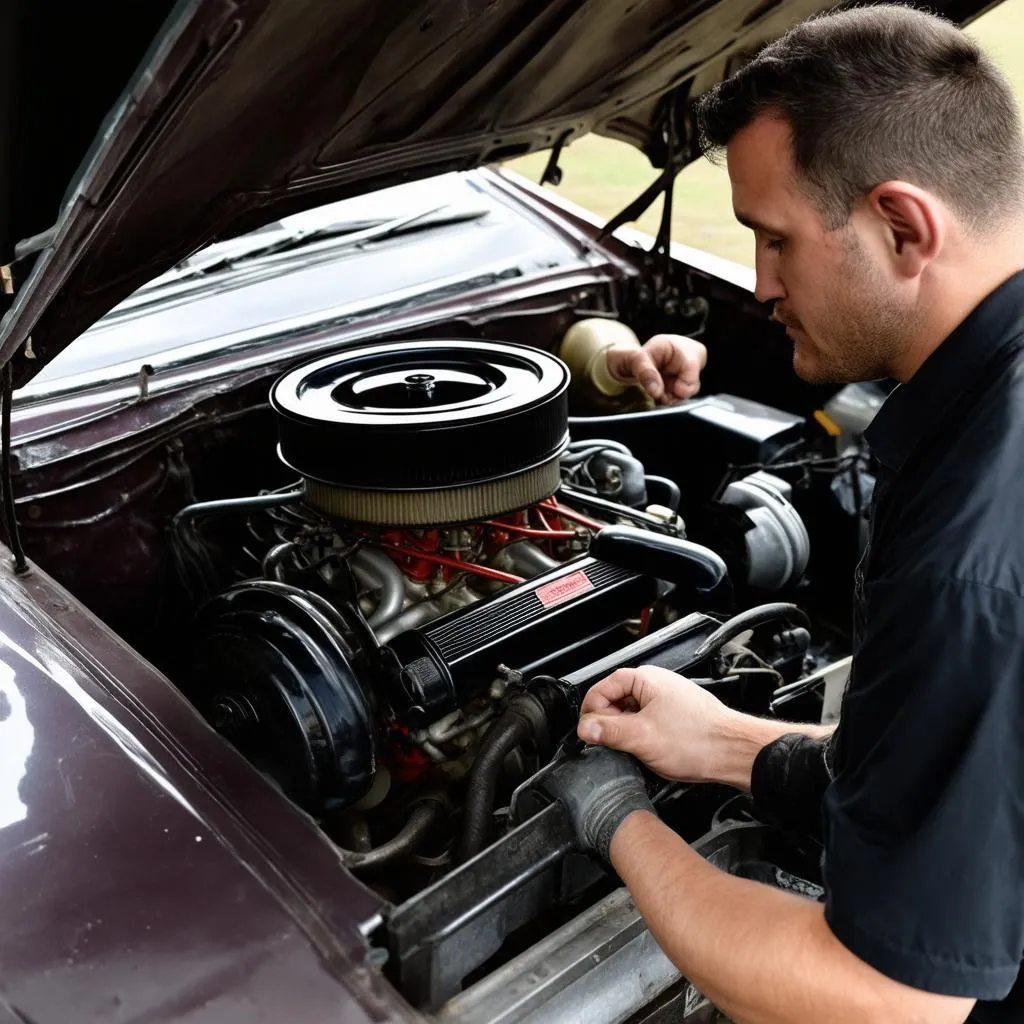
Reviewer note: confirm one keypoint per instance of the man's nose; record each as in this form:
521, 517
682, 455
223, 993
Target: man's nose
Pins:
768, 286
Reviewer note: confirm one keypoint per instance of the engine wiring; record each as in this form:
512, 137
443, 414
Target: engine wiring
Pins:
854, 462
543, 533
577, 461
285, 534
452, 563
297, 528
191, 557
571, 514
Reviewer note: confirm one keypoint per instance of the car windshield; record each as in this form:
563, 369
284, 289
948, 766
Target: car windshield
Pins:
337, 263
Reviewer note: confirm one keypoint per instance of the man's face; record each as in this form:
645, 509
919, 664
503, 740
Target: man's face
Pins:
832, 291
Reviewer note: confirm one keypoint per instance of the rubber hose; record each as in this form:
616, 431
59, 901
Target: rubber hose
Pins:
749, 619
666, 558
501, 739
273, 569
662, 491
258, 501
423, 816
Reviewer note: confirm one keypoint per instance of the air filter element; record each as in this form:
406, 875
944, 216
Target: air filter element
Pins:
423, 433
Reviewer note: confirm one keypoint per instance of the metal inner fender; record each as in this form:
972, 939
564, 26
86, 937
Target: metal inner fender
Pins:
425, 433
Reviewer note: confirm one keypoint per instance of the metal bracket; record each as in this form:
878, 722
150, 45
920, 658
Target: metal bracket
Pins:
443, 933
603, 965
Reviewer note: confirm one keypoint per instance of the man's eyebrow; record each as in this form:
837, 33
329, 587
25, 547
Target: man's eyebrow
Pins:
755, 225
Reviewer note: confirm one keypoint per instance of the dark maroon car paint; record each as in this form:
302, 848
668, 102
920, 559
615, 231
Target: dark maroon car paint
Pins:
148, 871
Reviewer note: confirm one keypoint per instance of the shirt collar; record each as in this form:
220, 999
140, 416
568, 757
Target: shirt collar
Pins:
915, 409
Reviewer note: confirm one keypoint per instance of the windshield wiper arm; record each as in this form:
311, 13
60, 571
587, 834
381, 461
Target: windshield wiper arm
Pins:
376, 232
352, 235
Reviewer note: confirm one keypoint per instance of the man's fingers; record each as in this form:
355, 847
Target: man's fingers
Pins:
636, 365
599, 729
647, 374
667, 354
620, 732
685, 388
612, 690
626, 706
691, 354
610, 713
668, 367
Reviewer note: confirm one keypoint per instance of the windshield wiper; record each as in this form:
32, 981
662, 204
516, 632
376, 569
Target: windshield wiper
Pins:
353, 234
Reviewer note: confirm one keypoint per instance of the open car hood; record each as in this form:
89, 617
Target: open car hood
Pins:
238, 112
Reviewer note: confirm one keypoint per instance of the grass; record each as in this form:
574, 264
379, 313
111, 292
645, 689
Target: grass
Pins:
604, 175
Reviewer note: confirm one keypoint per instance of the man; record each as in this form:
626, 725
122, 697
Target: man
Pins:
877, 155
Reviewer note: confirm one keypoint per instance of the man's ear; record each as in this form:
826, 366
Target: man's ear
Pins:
912, 224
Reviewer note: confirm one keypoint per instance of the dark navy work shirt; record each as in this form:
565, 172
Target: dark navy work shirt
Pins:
923, 781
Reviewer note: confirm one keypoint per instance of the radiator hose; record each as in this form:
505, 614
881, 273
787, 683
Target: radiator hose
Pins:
523, 721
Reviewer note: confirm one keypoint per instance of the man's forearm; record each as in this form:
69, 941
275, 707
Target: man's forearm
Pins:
759, 954
741, 739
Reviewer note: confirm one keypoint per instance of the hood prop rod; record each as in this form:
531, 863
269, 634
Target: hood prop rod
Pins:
663, 185
663, 241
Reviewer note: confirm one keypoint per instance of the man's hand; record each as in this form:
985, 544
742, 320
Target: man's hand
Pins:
600, 789
677, 728
667, 367
674, 726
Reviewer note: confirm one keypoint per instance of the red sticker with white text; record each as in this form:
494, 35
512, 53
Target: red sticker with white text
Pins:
567, 587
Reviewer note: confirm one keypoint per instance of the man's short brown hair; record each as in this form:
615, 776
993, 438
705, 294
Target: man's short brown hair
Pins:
878, 94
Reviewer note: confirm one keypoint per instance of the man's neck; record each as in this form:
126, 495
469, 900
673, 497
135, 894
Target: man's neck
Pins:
952, 294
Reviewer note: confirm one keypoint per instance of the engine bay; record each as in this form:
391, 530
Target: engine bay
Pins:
411, 559
417, 618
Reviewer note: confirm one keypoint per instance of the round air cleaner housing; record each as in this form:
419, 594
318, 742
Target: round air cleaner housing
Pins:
423, 433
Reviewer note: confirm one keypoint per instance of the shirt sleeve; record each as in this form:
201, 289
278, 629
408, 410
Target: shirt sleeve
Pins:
924, 822
788, 783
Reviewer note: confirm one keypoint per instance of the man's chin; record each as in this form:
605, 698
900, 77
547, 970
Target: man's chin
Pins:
805, 366
811, 370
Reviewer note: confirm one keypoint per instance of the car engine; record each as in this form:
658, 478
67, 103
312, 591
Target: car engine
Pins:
414, 623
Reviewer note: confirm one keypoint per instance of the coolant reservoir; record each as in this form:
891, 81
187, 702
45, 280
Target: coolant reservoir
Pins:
583, 350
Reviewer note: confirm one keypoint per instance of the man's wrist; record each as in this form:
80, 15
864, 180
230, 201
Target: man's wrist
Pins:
634, 823
740, 738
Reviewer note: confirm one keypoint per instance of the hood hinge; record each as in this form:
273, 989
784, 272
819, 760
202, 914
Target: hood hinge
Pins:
6, 401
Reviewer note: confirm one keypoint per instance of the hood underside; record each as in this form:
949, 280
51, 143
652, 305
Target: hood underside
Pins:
242, 111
